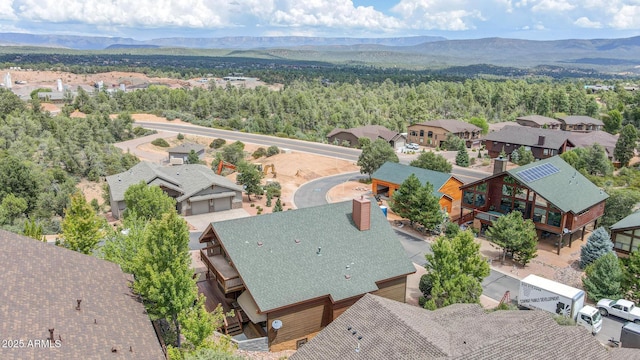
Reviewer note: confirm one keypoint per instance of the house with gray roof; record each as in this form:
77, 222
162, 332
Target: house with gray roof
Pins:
543, 143
196, 188
61, 304
351, 136
294, 272
538, 121
588, 139
390, 176
555, 196
580, 123
625, 234
180, 154
375, 328
433, 133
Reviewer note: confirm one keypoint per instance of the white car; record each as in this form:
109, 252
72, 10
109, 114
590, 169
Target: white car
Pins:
624, 309
412, 146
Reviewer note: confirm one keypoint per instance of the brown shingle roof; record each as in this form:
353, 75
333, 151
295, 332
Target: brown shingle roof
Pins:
538, 119
452, 126
40, 285
577, 120
372, 132
529, 136
393, 330
603, 138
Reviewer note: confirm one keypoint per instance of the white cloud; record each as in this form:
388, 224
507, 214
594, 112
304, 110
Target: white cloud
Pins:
552, 6
452, 15
628, 17
507, 4
586, 23
6, 10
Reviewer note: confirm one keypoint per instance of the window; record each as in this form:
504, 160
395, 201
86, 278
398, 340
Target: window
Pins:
430, 134
482, 187
505, 205
467, 198
480, 200
507, 190
539, 215
623, 242
545, 152
421, 132
554, 218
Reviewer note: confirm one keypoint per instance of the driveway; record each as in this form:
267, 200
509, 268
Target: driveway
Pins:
132, 146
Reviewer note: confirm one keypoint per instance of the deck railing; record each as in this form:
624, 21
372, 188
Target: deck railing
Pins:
228, 283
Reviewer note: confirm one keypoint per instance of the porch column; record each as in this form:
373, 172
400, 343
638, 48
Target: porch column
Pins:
584, 228
570, 238
560, 241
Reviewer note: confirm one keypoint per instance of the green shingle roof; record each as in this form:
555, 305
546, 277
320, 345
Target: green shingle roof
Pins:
397, 173
567, 189
287, 269
631, 221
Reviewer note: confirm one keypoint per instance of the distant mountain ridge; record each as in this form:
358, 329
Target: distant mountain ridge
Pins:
229, 42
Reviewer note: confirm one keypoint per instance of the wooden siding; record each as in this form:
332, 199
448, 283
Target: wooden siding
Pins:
298, 321
575, 222
394, 289
292, 344
452, 188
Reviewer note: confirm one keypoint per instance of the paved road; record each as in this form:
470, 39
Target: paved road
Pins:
314, 193
283, 143
611, 327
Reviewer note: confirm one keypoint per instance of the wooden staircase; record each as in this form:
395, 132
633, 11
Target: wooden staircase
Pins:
232, 326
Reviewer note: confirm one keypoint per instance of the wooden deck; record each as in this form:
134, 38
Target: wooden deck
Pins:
233, 324
225, 274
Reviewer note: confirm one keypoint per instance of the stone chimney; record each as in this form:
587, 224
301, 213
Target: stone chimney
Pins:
499, 165
541, 140
362, 213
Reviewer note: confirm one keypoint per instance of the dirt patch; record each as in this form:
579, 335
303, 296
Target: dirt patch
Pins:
91, 190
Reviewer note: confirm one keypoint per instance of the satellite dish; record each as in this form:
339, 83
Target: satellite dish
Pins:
565, 230
276, 324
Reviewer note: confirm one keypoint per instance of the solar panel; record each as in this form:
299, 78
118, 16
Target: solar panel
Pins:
537, 172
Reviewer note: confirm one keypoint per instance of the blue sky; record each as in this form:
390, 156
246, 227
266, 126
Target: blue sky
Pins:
453, 19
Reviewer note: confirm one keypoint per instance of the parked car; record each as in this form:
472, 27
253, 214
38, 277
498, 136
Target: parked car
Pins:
622, 308
412, 146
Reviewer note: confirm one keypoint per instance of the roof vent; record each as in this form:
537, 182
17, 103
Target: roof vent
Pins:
114, 350
318, 252
297, 241
79, 301
260, 243
51, 334
348, 277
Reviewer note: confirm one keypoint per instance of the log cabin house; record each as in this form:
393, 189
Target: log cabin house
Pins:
390, 176
292, 273
433, 133
553, 194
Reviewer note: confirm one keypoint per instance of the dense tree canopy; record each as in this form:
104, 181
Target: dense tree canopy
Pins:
374, 154
515, 235
604, 278
431, 161
626, 144
147, 202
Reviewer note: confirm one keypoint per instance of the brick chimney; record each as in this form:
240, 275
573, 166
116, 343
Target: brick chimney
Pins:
362, 213
499, 165
541, 140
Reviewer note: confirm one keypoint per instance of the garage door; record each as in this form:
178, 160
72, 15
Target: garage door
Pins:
222, 204
199, 207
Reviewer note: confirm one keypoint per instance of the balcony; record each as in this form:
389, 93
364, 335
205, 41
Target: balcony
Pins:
223, 272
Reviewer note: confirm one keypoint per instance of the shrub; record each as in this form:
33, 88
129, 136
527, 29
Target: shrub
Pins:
273, 150
260, 152
273, 189
180, 136
160, 142
217, 143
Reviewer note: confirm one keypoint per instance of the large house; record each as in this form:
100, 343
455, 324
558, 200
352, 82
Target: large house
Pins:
180, 154
390, 176
294, 272
587, 139
372, 132
580, 123
538, 121
543, 143
625, 234
433, 133
376, 328
550, 192
196, 188
61, 304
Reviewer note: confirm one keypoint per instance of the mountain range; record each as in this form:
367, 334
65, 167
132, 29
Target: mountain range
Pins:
605, 55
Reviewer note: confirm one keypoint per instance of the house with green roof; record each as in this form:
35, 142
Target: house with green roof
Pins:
292, 273
390, 176
625, 234
196, 188
550, 192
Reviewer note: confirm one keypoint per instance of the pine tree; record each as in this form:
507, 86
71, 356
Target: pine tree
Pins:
631, 277
278, 206
33, 230
82, 228
462, 157
604, 278
402, 199
514, 234
626, 144
249, 176
598, 244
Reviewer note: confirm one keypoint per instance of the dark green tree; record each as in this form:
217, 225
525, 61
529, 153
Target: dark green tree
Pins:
596, 161
426, 209
455, 271
626, 144
612, 121
432, 161
82, 228
163, 271
462, 157
403, 198
233, 153
525, 156
374, 155
278, 206
193, 158
272, 150
604, 278
250, 177
11, 208
598, 244
217, 143
619, 205
452, 142
147, 202
515, 235
631, 277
